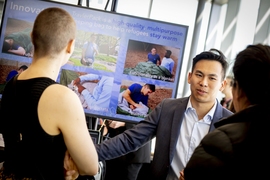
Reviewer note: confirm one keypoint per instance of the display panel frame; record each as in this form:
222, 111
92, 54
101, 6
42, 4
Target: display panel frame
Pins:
123, 42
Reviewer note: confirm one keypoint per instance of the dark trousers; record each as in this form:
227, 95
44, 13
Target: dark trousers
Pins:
117, 169
133, 171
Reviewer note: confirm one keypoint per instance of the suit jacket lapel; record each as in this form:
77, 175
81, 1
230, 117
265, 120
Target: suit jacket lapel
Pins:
217, 116
176, 124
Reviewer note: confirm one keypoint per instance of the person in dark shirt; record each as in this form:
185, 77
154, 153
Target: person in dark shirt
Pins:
153, 56
137, 93
46, 135
13, 73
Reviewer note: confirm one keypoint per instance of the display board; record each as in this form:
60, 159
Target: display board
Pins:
111, 52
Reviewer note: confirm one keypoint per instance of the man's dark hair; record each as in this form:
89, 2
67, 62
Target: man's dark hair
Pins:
6, 47
212, 55
252, 73
23, 67
152, 87
168, 53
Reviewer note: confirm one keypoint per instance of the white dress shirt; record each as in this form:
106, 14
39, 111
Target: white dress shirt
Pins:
191, 133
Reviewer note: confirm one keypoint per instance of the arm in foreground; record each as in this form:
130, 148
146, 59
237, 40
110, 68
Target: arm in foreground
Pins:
67, 115
131, 139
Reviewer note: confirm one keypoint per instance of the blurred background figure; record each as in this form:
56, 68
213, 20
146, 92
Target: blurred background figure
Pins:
226, 101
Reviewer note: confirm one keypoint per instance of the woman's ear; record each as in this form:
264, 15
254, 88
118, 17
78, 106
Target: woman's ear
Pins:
70, 46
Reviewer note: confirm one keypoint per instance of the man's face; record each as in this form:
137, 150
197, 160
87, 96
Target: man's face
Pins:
153, 51
205, 81
146, 91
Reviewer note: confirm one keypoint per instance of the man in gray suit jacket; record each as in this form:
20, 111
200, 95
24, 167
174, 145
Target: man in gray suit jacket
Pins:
177, 124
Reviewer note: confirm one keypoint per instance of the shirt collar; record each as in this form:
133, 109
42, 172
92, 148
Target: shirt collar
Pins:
209, 116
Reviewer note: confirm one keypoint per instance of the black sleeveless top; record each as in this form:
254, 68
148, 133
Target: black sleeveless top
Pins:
29, 150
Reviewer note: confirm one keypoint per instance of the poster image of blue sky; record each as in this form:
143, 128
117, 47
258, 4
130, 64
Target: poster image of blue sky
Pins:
137, 64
